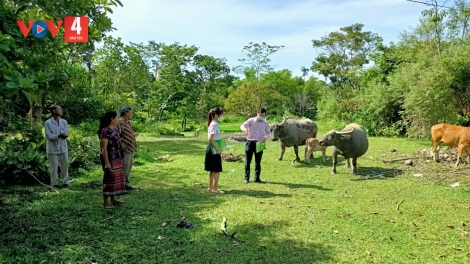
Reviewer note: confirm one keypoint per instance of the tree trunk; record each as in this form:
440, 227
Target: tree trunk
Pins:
35, 112
160, 114
3, 108
117, 101
183, 123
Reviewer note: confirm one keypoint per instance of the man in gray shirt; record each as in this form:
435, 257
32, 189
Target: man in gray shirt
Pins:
57, 131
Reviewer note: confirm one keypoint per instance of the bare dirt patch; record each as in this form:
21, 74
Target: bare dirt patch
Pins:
237, 138
422, 165
229, 157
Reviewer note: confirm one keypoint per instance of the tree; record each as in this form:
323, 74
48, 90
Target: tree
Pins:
286, 85
110, 68
344, 54
433, 24
35, 72
176, 82
459, 20
258, 57
212, 75
343, 58
304, 71
247, 98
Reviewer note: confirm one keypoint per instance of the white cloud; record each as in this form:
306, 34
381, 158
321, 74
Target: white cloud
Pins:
222, 27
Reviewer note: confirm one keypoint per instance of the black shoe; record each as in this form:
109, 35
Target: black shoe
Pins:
130, 188
247, 181
259, 181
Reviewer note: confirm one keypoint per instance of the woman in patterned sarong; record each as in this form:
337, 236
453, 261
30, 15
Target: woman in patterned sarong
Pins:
111, 156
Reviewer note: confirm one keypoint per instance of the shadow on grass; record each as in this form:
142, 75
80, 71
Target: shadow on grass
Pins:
39, 225
301, 185
375, 173
256, 193
148, 150
71, 226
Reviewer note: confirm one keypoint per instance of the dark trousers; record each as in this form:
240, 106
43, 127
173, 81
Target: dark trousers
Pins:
250, 148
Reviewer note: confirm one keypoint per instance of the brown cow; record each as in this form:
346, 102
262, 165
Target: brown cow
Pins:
312, 145
453, 136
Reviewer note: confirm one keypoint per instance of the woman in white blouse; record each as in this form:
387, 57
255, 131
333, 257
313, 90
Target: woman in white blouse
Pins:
213, 162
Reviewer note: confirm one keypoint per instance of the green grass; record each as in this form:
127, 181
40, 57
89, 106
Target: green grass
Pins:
302, 215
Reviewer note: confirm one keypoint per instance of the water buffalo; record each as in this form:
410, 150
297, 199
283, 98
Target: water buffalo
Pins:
351, 143
312, 145
293, 133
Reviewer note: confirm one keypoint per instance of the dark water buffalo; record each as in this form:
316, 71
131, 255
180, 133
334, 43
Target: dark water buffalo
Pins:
293, 133
351, 143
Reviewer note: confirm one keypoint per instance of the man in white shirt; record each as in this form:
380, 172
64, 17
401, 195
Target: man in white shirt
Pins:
57, 131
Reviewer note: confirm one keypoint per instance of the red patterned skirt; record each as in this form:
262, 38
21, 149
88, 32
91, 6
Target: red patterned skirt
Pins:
114, 182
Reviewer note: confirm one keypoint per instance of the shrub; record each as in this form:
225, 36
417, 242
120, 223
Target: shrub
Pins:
24, 153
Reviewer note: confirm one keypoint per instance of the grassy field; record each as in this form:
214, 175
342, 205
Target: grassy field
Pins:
401, 214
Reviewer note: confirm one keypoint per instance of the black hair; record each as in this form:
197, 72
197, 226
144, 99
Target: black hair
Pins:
124, 110
106, 120
261, 110
213, 112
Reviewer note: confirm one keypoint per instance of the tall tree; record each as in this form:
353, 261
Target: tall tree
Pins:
344, 53
343, 56
35, 71
176, 62
258, 57
304, 71
212, 76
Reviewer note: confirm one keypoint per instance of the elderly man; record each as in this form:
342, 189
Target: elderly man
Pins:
128, 142
57, 131
257, 130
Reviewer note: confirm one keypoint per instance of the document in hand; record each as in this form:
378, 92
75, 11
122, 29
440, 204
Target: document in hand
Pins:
221, 144
260, 146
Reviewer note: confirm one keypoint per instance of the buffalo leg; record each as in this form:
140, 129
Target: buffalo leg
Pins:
436, 145
323, 156
283, 149
467, 150
334, 161
296, 149
459, 154
307, 155
348, 163
354, 166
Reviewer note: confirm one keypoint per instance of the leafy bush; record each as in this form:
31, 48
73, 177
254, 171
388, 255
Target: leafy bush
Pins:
155, 129
83, 153
24, 152
81, 106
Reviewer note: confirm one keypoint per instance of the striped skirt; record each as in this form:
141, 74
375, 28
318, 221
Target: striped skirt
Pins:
114, 182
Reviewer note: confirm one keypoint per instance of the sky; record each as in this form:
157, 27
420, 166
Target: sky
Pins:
221, 28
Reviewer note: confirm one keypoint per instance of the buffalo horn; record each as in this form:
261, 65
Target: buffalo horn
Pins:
345, 132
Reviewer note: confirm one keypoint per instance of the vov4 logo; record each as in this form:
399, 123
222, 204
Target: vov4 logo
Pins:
75, 28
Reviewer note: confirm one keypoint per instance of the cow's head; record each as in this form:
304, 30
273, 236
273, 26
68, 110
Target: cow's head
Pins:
276, 129
333, 136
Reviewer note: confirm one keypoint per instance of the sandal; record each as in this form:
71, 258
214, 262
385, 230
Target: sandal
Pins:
108, 206
217, 191
118, 202
209, 190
